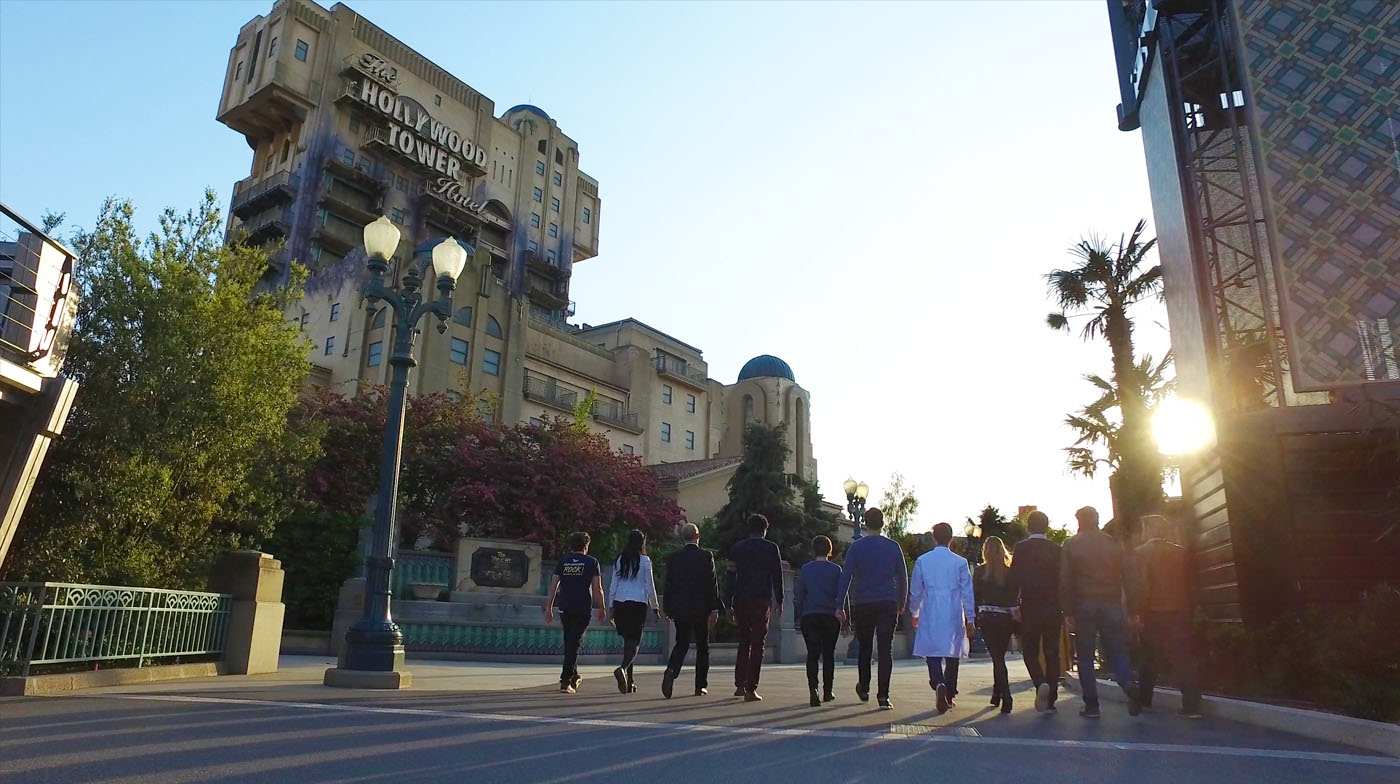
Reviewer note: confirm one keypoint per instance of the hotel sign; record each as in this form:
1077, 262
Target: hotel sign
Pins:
412, 131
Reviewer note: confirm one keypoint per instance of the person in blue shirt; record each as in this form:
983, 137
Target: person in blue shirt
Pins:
576, 590
875, 585
817, 582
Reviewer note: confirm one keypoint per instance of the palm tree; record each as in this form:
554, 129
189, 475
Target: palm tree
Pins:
1098, 441
1108, 281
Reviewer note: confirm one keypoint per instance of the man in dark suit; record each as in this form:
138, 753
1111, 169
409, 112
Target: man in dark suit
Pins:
1035, 578
691, 601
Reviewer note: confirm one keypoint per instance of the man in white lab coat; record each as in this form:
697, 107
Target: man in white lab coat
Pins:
940, 597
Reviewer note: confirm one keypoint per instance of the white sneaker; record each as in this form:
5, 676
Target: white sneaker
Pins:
1042, 698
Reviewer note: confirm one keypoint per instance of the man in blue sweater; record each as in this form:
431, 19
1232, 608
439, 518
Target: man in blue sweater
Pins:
875, 585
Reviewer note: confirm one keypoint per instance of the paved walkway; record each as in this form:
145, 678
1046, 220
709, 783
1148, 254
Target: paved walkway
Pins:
508, 722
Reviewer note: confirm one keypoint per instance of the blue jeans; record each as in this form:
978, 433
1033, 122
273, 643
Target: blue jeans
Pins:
1094, 619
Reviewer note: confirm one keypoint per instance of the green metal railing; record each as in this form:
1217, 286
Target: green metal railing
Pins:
63, 623
427, 568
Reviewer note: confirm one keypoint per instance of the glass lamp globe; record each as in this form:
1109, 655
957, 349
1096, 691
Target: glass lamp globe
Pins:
849, 487
381, 238
449, 257
862, 491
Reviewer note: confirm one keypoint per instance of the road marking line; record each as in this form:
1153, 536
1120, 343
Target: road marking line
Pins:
930, 737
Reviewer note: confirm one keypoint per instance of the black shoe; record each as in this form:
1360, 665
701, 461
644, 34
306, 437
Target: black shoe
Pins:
576, 682
885, 704
940, 698
621, 676
828, 696
1134, 707
752, 696
863, 692
814, 699
1089, 711
701, 691
1006, 703
667, 681
739, 691
996, 698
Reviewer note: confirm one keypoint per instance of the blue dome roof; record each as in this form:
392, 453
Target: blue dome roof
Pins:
528, 108
766, 366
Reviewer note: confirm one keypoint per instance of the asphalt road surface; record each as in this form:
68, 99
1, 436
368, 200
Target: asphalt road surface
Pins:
509, 723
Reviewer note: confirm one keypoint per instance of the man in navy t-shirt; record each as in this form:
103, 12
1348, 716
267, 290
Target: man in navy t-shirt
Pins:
576, 590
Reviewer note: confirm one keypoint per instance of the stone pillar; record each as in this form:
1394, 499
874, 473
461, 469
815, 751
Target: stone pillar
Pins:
254, 637
348, 609
783, 638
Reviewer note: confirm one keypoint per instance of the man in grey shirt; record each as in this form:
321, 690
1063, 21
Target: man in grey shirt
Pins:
1091, 592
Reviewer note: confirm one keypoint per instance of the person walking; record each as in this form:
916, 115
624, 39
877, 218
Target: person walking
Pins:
1091, 587
940, 597
996, 603
875, 586
756, 587
633, 590
817, 583
1034, 580
1160, 598
692, 603
577, 588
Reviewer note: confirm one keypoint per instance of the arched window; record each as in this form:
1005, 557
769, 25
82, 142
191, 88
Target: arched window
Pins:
748, 408
799, 436
463, 316
493, 327
380, 317
286, 150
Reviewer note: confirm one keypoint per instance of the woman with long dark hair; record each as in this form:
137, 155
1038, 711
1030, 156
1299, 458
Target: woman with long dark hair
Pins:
995, 600
633, 591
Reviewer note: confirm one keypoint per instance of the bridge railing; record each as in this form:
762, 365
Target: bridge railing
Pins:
65, 623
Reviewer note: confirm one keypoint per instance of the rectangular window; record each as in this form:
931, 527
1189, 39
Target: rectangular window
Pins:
539, 195
305, 319
396, 215
628, 449
335, 311
267, 167
554, 204
535, 219
363, 165
459, 351
536, 422
690, 439
666, 394
554, 230
272, 48
587, 215
533, 246
539, 167
437, 100
376, 352
330, 345
303, 48
491, 362
238, 72
354, 125
401, 183
558, 178
348, 156
666, 432
690, 404
550, 255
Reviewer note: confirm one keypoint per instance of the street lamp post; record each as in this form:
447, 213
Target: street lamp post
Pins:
856, 493
374, 645
973, 532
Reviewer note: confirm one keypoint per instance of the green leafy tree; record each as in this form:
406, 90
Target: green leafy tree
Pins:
994, 523
899, 505
1109, 280
188, 372
759, 485
1099, 425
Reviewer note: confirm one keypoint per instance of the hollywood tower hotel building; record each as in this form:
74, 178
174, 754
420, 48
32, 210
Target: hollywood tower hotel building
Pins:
347, 123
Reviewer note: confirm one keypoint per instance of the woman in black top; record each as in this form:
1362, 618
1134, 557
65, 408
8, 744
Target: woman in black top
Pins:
995, 600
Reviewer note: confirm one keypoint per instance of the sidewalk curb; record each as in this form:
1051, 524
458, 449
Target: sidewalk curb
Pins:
1370, 735
32, 685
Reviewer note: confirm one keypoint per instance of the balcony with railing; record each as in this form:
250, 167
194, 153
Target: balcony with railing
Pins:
350, 201
612, 412
253, 195
678, 369
551, 294
546, 390
271, 224
37, 300
338, 234
553, 270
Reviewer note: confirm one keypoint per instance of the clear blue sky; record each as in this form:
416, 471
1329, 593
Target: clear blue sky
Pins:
870, 191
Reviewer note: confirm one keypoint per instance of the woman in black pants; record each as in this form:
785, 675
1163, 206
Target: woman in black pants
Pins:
994, 602
633, 592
